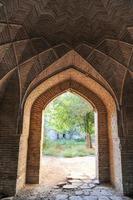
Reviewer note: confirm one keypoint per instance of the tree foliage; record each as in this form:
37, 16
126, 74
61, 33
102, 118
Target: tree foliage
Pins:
70, 112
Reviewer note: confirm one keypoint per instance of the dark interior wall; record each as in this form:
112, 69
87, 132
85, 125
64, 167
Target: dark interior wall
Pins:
127, 141
9, 138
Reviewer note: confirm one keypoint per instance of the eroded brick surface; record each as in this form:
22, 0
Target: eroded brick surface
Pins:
40, 39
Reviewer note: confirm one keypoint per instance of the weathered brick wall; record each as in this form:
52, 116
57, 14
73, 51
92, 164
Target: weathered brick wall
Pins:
34, 148
105, 55
127, 137
9, 139
106, 142
71, 74
115, 149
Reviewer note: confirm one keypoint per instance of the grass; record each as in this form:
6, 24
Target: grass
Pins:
66, 148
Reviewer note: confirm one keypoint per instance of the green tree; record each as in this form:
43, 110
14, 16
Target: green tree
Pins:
68, 112
89, 127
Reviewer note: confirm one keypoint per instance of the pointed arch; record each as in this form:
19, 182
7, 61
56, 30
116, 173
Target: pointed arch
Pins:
29, 163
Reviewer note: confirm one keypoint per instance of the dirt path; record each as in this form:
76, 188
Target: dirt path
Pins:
56, 169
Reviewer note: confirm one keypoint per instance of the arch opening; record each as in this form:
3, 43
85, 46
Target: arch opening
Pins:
108, 140
69, 140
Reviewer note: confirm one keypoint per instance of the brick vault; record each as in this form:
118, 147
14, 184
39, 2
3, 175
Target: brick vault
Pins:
48, 47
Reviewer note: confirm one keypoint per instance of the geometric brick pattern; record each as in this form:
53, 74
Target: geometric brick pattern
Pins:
108, 140
94, 36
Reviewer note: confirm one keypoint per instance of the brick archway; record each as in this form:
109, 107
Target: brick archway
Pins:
34, 148
31, 138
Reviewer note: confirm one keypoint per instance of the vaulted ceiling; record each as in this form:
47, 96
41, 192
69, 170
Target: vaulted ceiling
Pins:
36, 33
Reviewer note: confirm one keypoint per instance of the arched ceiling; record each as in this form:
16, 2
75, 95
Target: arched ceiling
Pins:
71, 21
36, 33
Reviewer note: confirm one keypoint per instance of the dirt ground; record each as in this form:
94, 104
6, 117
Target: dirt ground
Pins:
56, 169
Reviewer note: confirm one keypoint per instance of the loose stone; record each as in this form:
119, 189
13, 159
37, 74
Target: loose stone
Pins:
78, 192
61, 196
86, 192
90, 198
70, 186
61, 184
75, 198
85, 186
103, 198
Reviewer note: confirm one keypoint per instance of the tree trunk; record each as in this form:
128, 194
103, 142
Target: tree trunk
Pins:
64, 136
58, 136
88, 141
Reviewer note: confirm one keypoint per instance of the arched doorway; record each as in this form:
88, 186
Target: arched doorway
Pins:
34, 150
31, 140
69, 141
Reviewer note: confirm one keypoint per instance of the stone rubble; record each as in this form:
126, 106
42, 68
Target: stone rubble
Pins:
71, 190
